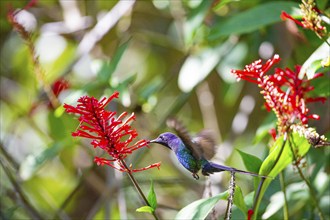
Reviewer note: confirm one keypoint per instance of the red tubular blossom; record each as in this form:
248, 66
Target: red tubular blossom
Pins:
110, 133
284, 92
250, 213
285, 16
60, 85
311, 18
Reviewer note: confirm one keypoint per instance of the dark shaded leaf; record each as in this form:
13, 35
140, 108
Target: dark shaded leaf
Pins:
253, 19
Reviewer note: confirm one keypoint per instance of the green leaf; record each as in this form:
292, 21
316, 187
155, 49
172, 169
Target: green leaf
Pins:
199, 65
109, 68
281, 154
56, 126
321, 86
200, 208
151, 88
145, 209
9, 213
194, 22
263, 130
152, 199
313, 63
239, 200
254, 19
251, 162
33, 163
279, 158
219, 4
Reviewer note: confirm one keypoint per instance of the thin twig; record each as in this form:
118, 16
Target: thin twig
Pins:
30, 209
208, 189
310, 187
137, 187
261, 184
286, 209
231, 196
38, 70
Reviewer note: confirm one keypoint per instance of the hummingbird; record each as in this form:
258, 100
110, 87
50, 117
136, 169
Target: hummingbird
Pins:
194, 153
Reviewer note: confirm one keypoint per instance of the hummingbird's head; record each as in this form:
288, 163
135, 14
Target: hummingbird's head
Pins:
166, 139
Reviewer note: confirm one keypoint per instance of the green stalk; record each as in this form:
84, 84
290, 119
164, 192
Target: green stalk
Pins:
309, 185
261, 191
286, 208
137, 187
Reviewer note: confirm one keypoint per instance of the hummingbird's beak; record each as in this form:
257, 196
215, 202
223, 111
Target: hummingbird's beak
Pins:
153, 141
159, 141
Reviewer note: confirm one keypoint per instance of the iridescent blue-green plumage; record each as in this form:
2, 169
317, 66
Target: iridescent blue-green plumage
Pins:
190, 155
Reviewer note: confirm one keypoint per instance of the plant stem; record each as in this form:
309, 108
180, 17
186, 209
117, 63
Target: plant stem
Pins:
309, 185
20, 194
257, 199
231, 196
137, 187
286, 210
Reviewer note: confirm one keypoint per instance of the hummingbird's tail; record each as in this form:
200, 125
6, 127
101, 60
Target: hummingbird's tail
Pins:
209, 168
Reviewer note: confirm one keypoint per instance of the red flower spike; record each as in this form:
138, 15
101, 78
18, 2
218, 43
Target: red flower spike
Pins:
284, 92
311, 18
111, 134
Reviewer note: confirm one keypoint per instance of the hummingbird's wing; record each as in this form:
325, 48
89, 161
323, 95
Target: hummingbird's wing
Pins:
183, 134
205, 139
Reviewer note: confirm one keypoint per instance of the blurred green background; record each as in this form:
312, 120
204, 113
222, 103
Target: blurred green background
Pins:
166, 58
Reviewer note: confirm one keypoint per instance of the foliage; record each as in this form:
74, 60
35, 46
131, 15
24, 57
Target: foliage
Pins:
164, 58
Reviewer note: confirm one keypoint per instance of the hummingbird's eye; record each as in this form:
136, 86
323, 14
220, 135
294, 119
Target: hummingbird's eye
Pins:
162, 138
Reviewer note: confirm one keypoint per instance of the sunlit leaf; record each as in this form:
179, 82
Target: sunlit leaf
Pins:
197, 66
253, 19
281, 154
276, 203
200, 208
147, 209
312, 64
280, 157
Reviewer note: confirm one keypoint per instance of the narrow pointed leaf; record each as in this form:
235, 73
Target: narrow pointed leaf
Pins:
279, 158
251, 162
254, 19
152, 199
109, 68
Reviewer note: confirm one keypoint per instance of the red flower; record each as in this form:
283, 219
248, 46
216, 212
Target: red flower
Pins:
250, 213
60, 85
284, 92
311, 18
107, 132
